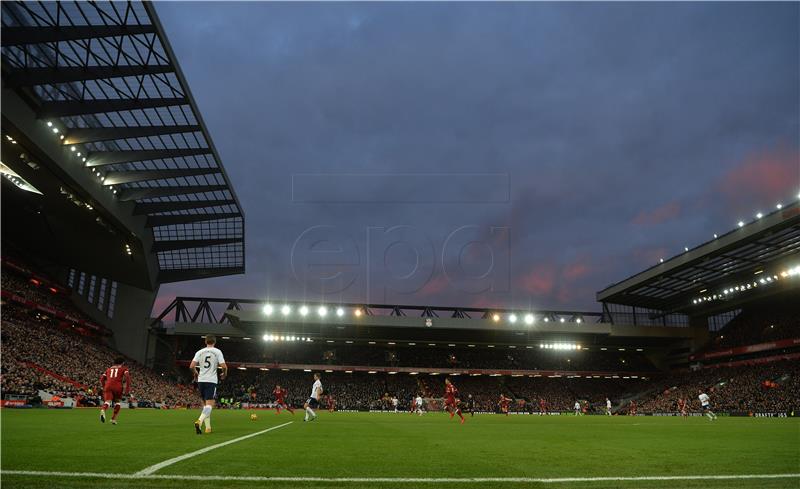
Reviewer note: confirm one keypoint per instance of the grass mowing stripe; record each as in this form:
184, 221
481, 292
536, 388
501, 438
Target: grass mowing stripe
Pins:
151, 476
154, 468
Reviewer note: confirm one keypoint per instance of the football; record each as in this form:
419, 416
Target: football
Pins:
253, 417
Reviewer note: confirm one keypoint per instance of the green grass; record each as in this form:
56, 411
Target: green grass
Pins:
398, 446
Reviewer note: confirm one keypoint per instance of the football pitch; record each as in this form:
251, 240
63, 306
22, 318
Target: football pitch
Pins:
158, 449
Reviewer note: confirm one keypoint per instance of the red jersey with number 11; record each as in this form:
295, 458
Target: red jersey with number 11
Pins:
112, 378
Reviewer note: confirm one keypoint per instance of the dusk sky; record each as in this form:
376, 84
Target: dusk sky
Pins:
506, 155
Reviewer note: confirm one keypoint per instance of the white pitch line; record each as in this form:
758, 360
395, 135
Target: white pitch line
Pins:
138, 476
154, 468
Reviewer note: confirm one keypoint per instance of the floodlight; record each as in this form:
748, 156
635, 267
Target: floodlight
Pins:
286, 309
339, 311
529, 319
322, 311
268, 309
512, 318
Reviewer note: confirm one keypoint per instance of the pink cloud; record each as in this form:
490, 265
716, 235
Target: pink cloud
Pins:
575, 270
762, 178
539, 280
435, 285
658, 215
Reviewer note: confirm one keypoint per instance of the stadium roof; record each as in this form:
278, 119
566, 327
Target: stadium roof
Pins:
103, 75
769, 244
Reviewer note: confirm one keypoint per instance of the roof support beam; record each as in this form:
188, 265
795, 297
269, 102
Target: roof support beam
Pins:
129, 194
27, 77
120, 177
182, 244
167, 276
155, 221
93, 135
64, 108
17, 35
153, 207
100, 158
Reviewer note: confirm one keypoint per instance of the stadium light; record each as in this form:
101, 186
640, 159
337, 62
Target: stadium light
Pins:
715, 235
779, 206
546, 319
685, 248
759, 215
529, 319
561, 320
660, 260
304, 310
322, 311
55, 130
357, 312
286, 309
495, 317
741, 224
266, 337
512, 318
268, 309
339, 311
49, 124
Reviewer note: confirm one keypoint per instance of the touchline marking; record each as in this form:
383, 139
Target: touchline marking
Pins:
154, 468
140, 476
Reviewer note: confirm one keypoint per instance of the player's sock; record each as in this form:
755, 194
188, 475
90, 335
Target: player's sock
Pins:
208, 423
458, 412
311, 413
117, 407
290, 410
277, 410
206, 412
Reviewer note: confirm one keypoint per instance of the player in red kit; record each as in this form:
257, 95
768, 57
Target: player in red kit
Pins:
504, 404
542, 407
112, 384
451, 401
682, 407
331, 403
280, 394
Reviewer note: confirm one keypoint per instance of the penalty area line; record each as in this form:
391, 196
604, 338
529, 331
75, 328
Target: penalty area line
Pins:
154, 468
151, 476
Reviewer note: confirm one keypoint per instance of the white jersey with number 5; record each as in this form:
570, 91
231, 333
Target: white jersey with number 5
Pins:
316, 390
703, 399
208, 359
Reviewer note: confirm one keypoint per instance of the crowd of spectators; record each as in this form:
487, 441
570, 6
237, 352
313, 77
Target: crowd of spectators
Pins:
770, 387
30, 339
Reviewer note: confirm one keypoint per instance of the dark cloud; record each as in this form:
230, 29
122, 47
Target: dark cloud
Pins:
601, 117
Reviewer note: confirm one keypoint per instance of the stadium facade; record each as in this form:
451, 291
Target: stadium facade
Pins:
112, 183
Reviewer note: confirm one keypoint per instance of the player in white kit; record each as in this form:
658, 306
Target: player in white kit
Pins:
204, 370
313, 400
706, 403
608, 406
418, 402
577, 408
395, 402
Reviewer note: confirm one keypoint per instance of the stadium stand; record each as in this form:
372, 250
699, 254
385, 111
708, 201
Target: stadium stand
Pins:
772, 387
771, 322
45, 352
455, 357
